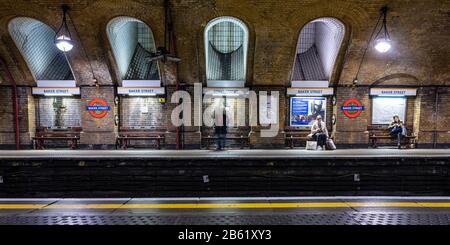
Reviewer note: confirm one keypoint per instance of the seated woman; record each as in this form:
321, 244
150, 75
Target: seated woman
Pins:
397, 129
319, 132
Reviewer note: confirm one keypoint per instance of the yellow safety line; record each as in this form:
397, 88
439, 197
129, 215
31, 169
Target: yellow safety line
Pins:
21, 206
230, 205
384, 204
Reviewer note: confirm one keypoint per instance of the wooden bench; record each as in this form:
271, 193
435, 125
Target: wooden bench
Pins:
295, 136
72, 137
241, 135
125, 138
381, 132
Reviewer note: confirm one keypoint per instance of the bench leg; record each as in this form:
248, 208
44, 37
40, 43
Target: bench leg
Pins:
41, 144
124, 144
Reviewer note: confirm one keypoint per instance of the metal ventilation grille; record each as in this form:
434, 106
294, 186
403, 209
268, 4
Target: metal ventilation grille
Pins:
139, 68
35, 40
226, 66
226, 42
132, 41
325, 35
308, 66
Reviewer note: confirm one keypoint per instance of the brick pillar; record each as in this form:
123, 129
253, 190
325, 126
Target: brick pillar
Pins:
26, 118
191, 137
432, 118
277, 142
352, 132
98, 133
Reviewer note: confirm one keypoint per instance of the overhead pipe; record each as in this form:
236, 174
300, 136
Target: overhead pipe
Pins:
8, 76
436, 115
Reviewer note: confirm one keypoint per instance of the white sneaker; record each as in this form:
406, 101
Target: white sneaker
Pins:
319, 148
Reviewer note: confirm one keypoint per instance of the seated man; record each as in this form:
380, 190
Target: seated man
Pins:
319, 132
397, 129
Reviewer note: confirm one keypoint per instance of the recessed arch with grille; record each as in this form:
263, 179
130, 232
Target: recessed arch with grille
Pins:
226, 44
132, 43
318, 46
35, 40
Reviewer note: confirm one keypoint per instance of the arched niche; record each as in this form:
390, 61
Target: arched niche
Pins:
318, 45
226, 44
35, 40
132, 43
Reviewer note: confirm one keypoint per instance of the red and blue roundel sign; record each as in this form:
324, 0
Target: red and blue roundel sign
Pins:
352, 108
98, 108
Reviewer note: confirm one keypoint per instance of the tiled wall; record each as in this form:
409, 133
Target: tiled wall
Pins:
142, 112
58, 112
236, 108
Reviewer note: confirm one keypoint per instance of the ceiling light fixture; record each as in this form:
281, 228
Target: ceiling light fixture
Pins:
63, 39
382, 43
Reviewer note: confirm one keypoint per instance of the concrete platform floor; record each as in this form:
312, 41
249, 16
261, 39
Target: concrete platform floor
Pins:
228, 211
238, 154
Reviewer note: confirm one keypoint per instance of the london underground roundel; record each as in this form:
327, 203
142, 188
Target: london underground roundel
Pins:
352, 108
98, 108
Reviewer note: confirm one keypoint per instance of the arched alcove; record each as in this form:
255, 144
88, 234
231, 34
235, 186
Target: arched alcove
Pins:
318, 46
35, 40
132, 43
226, 44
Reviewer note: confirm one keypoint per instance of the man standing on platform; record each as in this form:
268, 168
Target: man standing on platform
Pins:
220, 129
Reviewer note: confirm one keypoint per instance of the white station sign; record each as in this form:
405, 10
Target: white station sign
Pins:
393, 91
225, 91
56, 91
310, 91
149, 91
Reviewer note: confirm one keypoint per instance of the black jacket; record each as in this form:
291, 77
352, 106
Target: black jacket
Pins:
222, 129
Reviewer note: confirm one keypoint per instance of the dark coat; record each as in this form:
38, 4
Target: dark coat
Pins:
222, 129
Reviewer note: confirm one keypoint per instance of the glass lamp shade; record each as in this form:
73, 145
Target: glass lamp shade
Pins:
383, 45
64, 43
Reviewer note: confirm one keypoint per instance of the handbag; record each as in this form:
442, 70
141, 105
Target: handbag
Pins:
311, 145
404, 131
330, 145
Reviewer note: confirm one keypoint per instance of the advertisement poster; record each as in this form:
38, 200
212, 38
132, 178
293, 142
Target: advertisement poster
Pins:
384, 108
304, 110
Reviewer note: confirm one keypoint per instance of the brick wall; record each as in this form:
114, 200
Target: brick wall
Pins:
352, 131
57, 112
432, 118
98, 132
7, 128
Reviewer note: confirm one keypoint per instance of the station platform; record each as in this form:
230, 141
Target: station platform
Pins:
227, 154
241, 173
227, 211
